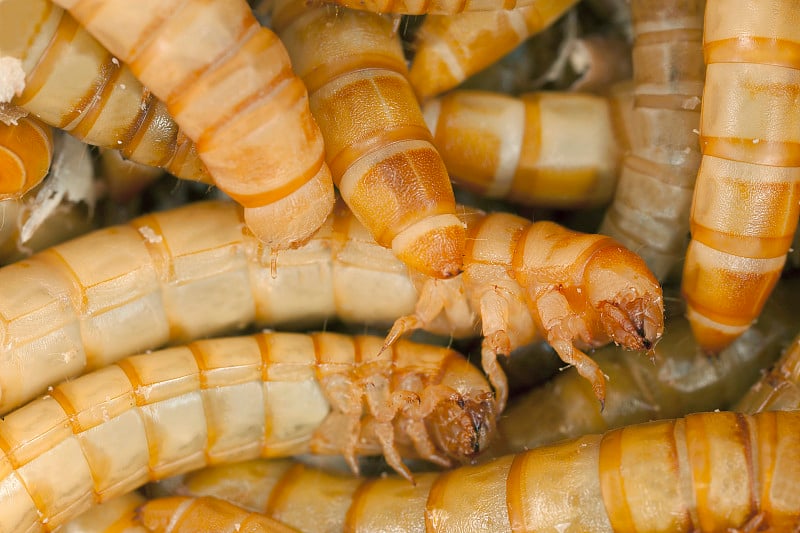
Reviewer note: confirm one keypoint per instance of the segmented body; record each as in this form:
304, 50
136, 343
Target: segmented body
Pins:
777, 389
747, 195
378, 148
190, 515
680, 379
440, 7
26, 149
221, 400
451, 48
73, 83
706, 472
113, 516
229, 84
547, 149
662, 165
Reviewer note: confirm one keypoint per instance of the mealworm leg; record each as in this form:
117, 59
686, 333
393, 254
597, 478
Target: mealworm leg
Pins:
561, 325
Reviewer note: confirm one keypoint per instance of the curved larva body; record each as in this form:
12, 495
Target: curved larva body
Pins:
451, 48
26, 149
527, 280
706, 472
221, 400
669, 72
747, 195
73, 83
178, 275
117, 515
680, 379
544, 149
439, 7
779, 389
192, 515
377, 146
229, 85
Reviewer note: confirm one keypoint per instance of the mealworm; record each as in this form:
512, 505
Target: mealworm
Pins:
190, 515
229, 85
377, 146
117, 515
747, 196
73, 83
704, 472
527, 280
451, 48
220, 400
777, 389
439, 7
26, 149
547, 149
662, 166
679, 380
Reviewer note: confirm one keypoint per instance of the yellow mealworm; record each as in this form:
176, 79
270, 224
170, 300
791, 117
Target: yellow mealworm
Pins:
706, 473
682, 380
377, 146
73, 83
451, 48
117, 515
220, 400
26, 150
229, 85
547, 149
777, 389
192, 515
528, 280
440, 7
747, 196
669, 72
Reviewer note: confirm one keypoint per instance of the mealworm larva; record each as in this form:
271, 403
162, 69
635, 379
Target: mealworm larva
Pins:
527, 280
73, 83
26, 149
229, 85
547, 149
662, 165
779, 389
117, 515
705, 472
191, 515
220, 400
439, 7
377, 146
747, 195
451, 48
683, 380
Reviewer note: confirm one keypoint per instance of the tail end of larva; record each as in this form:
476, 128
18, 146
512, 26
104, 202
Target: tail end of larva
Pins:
433, 246
292, 220
712, 336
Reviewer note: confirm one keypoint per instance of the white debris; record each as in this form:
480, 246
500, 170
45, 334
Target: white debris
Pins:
149, 234
12, 78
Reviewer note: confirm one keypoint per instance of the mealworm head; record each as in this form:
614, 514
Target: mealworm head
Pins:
626, 296
462, 426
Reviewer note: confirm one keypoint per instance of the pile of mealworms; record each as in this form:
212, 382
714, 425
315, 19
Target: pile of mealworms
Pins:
399, 265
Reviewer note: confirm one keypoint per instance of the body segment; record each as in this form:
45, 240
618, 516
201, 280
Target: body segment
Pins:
234, 93
747, 195
26, 149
